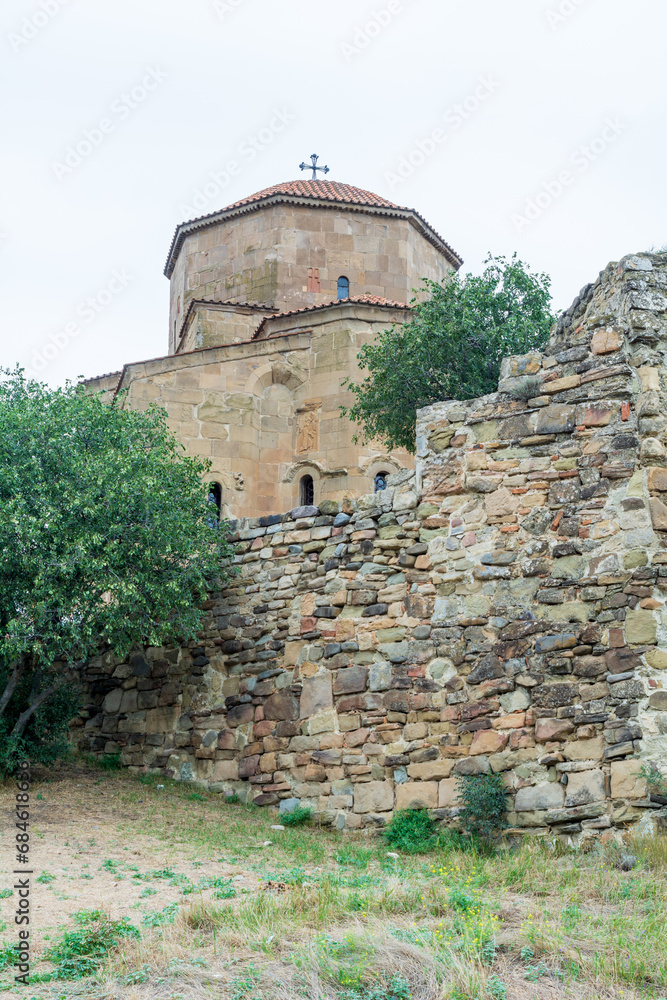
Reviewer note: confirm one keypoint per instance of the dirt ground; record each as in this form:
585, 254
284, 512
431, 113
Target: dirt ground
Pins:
77, 825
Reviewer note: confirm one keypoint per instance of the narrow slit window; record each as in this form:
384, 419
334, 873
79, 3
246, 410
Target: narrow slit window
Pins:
307, 491
343, 287
215, 500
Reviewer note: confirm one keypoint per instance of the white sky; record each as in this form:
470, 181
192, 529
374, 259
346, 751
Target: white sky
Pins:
220, 72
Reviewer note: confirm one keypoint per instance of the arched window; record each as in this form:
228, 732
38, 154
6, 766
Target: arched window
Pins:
307, 491
380, 482
215, 499
343, 287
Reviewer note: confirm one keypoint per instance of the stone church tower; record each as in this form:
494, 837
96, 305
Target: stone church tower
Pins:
271, 300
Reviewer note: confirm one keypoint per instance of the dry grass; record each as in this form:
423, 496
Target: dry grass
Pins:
327, 916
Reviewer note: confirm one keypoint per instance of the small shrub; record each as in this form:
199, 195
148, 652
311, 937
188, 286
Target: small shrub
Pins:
81, 952
297, 817
527, 389
484, 806
496, 988
412, 831
110, 762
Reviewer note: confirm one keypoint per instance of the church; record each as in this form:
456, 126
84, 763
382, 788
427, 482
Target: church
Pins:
271, 299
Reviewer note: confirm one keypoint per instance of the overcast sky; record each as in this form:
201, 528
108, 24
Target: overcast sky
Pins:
528, 125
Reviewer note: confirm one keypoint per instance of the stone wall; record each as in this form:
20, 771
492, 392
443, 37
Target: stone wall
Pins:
500, 610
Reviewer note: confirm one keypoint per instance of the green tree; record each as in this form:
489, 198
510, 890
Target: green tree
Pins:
451, 348
107, 539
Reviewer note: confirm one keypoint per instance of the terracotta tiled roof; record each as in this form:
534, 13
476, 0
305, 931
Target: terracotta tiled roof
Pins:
97, 378
217, 303
332, 192
364, 300
328, 190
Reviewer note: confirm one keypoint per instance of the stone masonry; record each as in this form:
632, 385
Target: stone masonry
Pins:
500, 609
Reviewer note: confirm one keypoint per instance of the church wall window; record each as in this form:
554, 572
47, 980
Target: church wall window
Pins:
343, 287
306, 491
314, 284
380, 482
215, 500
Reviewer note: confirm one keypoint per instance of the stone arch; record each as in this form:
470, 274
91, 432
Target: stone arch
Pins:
370, 467
295, 474
274, 373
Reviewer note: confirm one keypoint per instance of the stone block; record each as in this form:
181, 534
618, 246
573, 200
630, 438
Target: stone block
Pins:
488, 741
658, 701
281, 707
417, 795
549, 795
657, 479
640, 626
472, 765
547, 730
432, 770
111, 704
373, 796
351, 680
585, 749
239, 715
658, 514
163, 720
606, 342
316, 695
501, 502
626, 782
448, 793
556, 419
584, 787
225, 770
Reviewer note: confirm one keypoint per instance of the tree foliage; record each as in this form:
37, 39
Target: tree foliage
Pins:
451, 348
107, 539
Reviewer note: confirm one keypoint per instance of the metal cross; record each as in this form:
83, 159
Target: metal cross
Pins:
313, 166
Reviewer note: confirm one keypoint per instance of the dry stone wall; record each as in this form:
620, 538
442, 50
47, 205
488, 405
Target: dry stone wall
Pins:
501, 609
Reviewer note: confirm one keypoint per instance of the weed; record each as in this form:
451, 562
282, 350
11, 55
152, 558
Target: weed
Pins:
241, 985
535, 972
411, 831
461, 900
397, 988
527, 389
148, 891
136, 978
45, 878
297, 817
484, 805
161, 917
232, 800
6, 893
7, 956
496, 988
80, 952
110, 762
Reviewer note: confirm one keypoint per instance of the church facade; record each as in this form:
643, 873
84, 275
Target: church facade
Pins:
271, 300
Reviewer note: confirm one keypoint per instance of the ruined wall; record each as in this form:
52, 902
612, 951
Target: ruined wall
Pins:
502, 609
